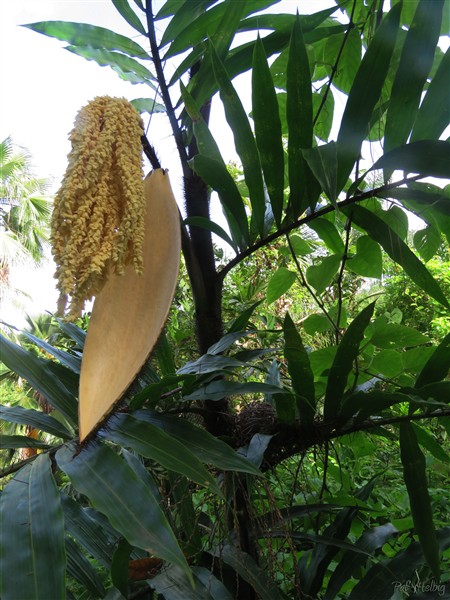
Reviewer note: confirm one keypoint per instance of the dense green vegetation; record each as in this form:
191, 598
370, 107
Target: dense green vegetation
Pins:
288, 437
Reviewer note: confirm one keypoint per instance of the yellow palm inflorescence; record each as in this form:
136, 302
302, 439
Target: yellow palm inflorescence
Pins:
98, 216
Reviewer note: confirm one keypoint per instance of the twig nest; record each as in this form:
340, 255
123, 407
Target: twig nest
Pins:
256, 417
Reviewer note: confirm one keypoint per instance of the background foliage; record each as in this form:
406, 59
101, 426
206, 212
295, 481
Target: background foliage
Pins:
288, 438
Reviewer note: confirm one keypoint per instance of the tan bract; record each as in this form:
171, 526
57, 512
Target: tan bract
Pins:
98, 217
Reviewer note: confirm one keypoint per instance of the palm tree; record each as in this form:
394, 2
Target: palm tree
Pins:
24, 213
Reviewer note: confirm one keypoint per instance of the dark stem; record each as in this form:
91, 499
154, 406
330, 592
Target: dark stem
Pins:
197, 245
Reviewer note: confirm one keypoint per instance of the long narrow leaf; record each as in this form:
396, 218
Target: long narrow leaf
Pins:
243, 139
81, 569
152, 442
365, 93
213, 228
379, 231
81, 34
207, 448
129, 15
300, 371
429, 158
346, 354
114, 489
216, 175
299, 116
377, 584
66, 359
434, 113
87, 531
437, 366
34, 418
370, 541
39, 375
415, 63
415, 477
126, 67
268, 129
21, 441
244, 564
32, 555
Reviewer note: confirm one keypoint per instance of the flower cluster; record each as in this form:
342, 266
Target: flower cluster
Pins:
98, 216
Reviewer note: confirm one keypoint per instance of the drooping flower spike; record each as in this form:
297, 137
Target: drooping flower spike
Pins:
98, 216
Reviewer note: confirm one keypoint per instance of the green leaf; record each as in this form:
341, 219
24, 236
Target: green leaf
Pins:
397, 249
32, 559
39, 375
299, 115
244, 141
87, 531
285, 407
328, 234
268, 129
434, 113
243, 564
115, 490
66, 359
209, 363
81, 569
119, 566
323, 121
426, 242
349, 60
370, 541
126, 67
182, 19
387, 362
206, 585
437, 366
365, 93
367, 404
299, 368
206, 447
206, 143
393, 335
397, 220
209, 225
147, 105
377, 583
429, 442
368, 260
300, 246
346, 354
321, 275
217, 176
415, 63
322, 160
34, 418
425, 157
217, 390
313, 566
415, 477
21, 441
152, 442
316, 323
81, 34
129, 15
280, 282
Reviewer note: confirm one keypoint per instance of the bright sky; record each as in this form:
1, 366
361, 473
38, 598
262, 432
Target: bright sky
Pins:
44, 86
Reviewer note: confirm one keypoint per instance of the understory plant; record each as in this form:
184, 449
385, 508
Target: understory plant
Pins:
286, 438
